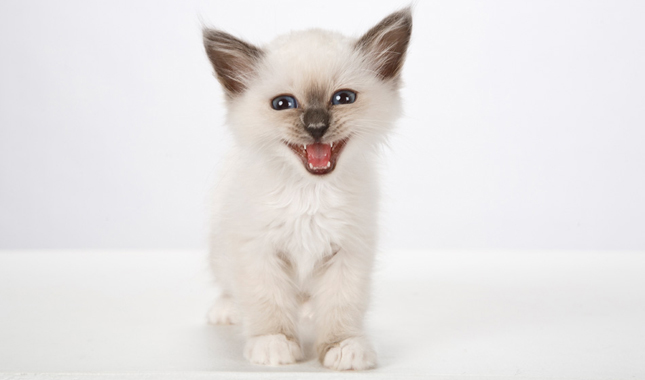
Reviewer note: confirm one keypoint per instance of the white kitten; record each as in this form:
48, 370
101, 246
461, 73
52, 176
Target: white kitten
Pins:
295, 213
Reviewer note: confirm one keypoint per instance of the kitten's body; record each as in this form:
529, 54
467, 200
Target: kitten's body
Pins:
282, 232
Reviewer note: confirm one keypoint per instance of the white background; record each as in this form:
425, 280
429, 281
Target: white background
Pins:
524, 126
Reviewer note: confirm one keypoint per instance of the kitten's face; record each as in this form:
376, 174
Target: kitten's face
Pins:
313, 100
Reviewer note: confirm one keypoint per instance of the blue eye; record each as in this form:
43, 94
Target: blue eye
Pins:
284, 102
343, 97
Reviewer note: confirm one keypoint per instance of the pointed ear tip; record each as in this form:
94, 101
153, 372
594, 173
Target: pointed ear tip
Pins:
213, 34
209, 33
401, 18
406, 13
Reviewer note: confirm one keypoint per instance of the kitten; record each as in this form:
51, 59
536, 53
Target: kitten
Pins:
295, 212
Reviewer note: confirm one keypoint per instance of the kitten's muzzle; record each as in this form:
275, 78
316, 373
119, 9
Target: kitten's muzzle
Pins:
316, 122
317, 130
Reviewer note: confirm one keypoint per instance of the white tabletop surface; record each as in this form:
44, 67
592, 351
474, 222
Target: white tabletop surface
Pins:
437, 315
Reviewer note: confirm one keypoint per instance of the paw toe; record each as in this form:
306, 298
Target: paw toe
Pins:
273, 349
350, 354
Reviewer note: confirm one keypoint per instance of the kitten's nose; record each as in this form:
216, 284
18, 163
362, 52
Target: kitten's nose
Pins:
317, 130
316, 122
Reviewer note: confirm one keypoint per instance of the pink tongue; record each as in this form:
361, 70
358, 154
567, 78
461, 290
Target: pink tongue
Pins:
318, 155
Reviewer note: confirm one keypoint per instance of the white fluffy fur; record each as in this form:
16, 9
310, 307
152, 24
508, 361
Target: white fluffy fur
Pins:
281, 235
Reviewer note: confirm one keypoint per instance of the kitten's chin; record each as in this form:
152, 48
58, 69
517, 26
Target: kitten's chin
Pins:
319, 158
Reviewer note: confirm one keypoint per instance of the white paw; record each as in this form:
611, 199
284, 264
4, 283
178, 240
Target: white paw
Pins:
223, 312
352, 353
272, 350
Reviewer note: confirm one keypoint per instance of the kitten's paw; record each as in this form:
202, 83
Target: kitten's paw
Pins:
351, 353
272, 350
223, 312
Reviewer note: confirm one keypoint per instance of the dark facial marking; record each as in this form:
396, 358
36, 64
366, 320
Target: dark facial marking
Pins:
316, 122
317, 96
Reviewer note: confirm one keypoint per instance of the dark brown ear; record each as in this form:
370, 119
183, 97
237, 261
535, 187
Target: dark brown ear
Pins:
386, 43
234, 60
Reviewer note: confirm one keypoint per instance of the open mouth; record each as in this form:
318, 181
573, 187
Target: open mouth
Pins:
319, 158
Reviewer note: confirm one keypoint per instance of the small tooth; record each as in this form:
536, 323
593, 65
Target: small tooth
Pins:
328, 164
331, 144
311, 166
304, 147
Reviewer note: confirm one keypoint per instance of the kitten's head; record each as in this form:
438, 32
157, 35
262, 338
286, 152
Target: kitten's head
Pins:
314, 101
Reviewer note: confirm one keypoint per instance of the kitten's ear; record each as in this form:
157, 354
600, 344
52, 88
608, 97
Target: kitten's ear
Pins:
386, 43
234, 60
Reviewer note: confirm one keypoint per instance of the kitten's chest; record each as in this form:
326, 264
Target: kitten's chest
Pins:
308, 224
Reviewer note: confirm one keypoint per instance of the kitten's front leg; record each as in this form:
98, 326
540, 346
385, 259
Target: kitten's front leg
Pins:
341, 298
269, 308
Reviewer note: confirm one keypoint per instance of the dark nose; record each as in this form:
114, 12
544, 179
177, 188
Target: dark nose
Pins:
316, 122
317, 132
